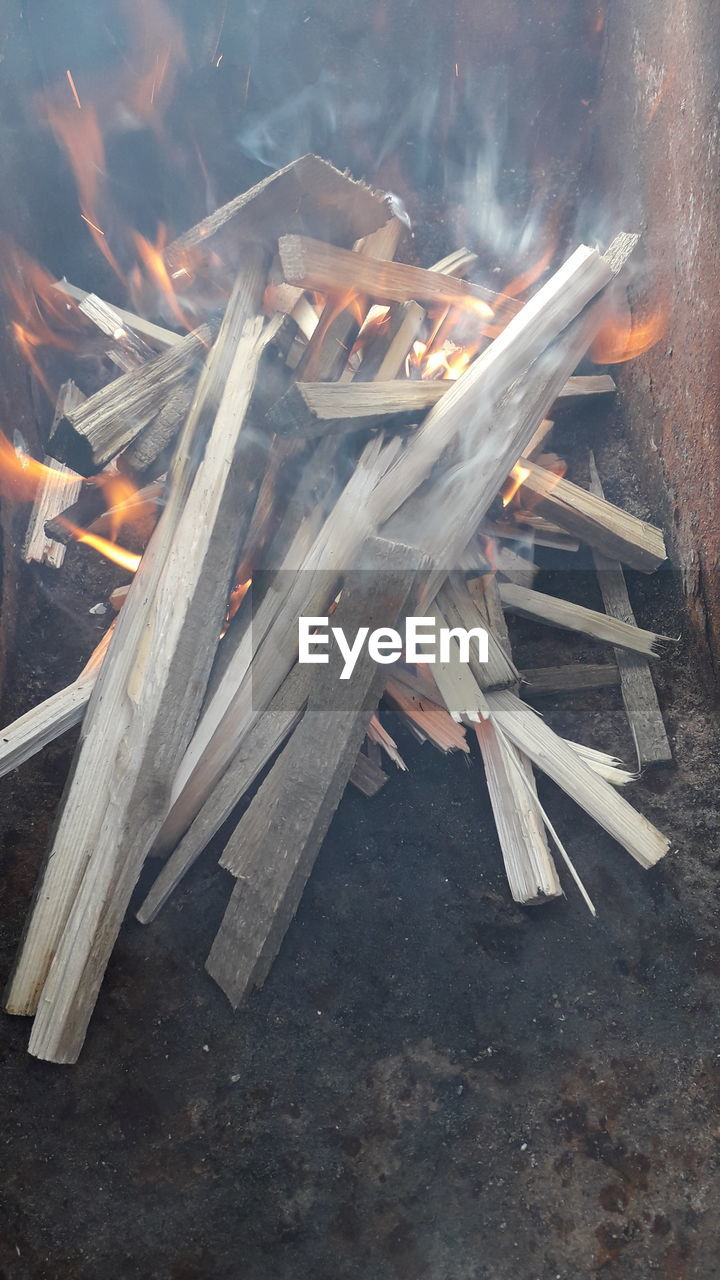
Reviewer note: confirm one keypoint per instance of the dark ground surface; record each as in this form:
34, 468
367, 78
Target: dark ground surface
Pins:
434, 1082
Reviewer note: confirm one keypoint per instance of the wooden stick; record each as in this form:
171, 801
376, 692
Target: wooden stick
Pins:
326, 354
307, 195
575, 617
60, 488
573, 678
265, 738
315, 265
154, 334
592, 519
307, 407
89, 436
144, 703
555, 757
44, 723
636, 683
460, 609
162, 677
276, 843
384, 358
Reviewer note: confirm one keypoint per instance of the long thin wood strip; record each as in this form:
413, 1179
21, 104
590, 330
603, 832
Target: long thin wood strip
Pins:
540, 682
158, 688
313, 264
458, 263
636, 683
390, 476
431, 720
89, 436
460, 609
291, 812
575, 617
555, 757
591, 518
154, 334
50, 719
307, 405
122, 682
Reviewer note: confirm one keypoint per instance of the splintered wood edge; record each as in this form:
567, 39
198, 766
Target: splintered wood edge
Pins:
309, 172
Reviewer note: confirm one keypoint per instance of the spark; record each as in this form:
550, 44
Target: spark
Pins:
75, 93
94, 225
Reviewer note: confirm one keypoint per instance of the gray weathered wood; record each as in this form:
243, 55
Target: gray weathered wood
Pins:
144, 705
89, 436
636, 683
290, 814
574, 678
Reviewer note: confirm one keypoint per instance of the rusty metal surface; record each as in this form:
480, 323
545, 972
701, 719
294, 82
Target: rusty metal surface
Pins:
657, 159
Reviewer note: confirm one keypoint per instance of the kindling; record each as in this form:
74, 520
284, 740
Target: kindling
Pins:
423, 641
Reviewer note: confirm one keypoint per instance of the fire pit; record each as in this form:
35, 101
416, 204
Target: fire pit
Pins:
288, 422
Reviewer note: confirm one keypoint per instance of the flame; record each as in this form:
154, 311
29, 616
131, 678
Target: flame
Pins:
126, 559
237, 596
515, 481
134, 94
21, 475
44, 316
152, 257
624, 336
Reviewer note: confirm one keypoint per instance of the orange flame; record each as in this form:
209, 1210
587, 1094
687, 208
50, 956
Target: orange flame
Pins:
21, 475
44, 316
152, 257
126, 559
515, 481
528, 278
137, 91
624, 336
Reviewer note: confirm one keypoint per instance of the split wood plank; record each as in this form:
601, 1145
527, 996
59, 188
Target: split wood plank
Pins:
312, 264
636, 683
309, 194
592, 519
144, 703
50, 719
307, 407
540, 682
327, 352
575, 617
290, 815
91, 434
